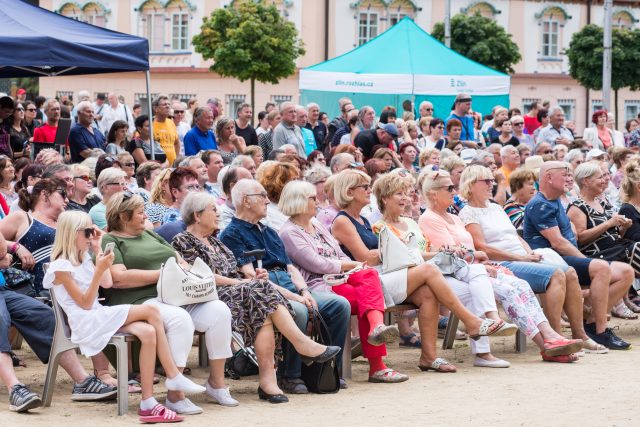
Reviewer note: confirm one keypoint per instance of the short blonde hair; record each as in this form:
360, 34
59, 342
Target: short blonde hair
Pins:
156, 189
329, 187
584, 171
120, 209
387, 185
430, 181
80, 169
519, 177
345, 181
295, 197
470, 176
252, 150
425, 155
64, 245
317, 174
108, 175
452, 162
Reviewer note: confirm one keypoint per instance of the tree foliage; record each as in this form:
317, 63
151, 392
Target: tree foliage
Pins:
585, 58
249, 41
482, 40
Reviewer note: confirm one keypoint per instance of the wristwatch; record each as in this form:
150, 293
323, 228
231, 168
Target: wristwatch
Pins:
300, 291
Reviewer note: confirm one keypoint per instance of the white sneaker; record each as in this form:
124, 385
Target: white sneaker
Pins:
184, 406
220, 395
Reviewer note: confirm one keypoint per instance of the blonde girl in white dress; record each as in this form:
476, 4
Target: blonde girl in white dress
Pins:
75, 280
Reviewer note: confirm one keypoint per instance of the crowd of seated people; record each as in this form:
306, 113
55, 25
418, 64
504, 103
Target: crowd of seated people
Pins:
548, 229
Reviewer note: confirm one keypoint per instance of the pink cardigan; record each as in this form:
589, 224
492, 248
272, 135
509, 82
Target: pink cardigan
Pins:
302, 250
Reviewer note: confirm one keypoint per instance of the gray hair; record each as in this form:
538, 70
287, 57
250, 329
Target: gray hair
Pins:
51, 170
506, 150
239, 160
48, 103
555, 109
301, 108
195, 203
185, 162
339, 158
84, 95
481, 155
287, 104
241, 189
199, 111
84, 104
312, 105
295, 197
573, 155
584, 171
109, 174
317, 174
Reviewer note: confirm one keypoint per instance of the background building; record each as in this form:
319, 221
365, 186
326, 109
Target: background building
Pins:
542, 30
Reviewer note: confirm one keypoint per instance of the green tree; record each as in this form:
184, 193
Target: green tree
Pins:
585, 59
249, 41
482, 40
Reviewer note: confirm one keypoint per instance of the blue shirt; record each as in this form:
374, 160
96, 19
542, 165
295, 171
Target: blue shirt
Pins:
81, 139
171, 229
468, 131
195, 141
542, 214
309, 140
242, 236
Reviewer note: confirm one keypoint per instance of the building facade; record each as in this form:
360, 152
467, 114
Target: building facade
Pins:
542, 30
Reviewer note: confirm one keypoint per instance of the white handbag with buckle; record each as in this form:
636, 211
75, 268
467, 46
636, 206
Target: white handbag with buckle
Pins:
396, 254
177, 286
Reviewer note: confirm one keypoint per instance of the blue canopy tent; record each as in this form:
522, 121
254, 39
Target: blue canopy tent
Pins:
404, 62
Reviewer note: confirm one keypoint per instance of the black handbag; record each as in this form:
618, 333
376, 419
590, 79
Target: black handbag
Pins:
618, 252
240, 365
322, 378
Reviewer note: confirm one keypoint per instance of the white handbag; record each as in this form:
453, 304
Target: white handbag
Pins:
396, 254
177, 286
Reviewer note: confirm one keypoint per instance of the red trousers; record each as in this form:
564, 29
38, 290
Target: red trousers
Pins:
363, 290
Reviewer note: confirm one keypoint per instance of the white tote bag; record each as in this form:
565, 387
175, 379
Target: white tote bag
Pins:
179, 287
395, 254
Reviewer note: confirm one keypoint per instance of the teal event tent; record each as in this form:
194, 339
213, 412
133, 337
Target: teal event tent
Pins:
404, 62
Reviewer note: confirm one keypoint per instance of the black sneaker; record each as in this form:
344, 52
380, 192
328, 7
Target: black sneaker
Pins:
21, 399
93, 389
622, 344
606, 338
293, 386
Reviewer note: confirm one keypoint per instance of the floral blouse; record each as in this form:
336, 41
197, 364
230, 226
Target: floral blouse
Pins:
220, 258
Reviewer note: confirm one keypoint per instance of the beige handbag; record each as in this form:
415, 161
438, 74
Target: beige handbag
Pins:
177, 286
396, 254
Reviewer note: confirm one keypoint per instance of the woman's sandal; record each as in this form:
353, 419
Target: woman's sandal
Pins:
631, 305
387, 375
565, 358
136, 377
621, 311
590, 346
561, 347
16, 361
437, 365
500, 329
412, 340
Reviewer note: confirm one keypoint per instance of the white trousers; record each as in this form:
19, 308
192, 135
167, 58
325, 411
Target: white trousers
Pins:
213, 318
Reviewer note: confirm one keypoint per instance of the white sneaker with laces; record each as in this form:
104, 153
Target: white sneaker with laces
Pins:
184, 407
221, 395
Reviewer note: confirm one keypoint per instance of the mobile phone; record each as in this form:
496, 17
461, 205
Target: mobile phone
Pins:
109, 248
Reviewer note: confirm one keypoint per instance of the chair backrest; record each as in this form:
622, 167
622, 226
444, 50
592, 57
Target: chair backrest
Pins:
62, 323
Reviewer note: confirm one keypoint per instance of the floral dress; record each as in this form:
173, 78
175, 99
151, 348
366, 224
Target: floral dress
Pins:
250, 302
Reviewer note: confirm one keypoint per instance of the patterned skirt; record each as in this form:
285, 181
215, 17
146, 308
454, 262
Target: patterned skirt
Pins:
250, 304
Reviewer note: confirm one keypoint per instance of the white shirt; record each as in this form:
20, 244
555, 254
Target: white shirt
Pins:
496, 227
110, 115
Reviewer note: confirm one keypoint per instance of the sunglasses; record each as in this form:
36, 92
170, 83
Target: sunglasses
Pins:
85, 178
449, 188
129, 165
356, 165
62, 192
127, 195
365, 187
120, 184
88, 232
518, 124
488, 181
20, 109
31, 109
178, 111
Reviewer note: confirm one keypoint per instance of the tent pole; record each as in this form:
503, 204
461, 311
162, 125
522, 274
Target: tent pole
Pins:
147, 75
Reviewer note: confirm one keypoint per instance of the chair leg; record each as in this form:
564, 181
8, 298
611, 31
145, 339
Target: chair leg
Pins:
122, 369
50, 380
450, 333
203, 356
346, 357
521, 342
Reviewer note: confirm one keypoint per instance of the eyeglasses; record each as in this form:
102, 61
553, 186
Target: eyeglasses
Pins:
428, 109
62, 192
88, 232
488, 181
365, 187
261, 195
356, 165
314, 198
121, 184
85, 178
547, 152
450, 188
320, 159
129, 165
178, 111
517, 124
31, 109
20, 109
192, 187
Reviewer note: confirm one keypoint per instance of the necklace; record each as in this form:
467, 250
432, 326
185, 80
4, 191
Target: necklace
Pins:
310, 229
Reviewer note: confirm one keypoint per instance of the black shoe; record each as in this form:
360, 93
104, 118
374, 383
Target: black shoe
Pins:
331, 352
606, 338
21, 399
272, 398
93, 389
356, 347
293, 385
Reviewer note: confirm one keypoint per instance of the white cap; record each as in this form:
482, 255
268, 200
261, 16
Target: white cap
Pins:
468, 154
595, 152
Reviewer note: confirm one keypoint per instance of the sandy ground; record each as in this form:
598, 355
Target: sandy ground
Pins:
599, 390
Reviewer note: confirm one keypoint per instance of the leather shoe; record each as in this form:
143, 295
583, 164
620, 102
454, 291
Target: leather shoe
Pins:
272, 398
331, 352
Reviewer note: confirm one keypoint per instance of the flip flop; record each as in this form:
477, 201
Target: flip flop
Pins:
561, 347
485, 326
565, 358
436, 366
159, 414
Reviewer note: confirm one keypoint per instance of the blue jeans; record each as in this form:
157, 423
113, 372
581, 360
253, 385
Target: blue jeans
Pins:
335, 311
536, 274
33, 319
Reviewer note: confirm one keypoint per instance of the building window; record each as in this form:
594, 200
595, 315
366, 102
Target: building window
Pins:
527, 103
61, 95
182, 97
368, 27
233, 102
481, 8
568, 106
94, 14
550, 33
180, 31
395, 17
631, 109
551, 21
279, 99
623, 20
71, 10
154, 30
141, 98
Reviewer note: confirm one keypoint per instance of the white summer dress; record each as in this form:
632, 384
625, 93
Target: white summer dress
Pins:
90, 329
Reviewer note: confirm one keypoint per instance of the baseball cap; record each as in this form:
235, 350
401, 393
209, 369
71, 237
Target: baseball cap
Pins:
390, 128
462, 97
21, 91
533, 163
593, 153
467, 154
